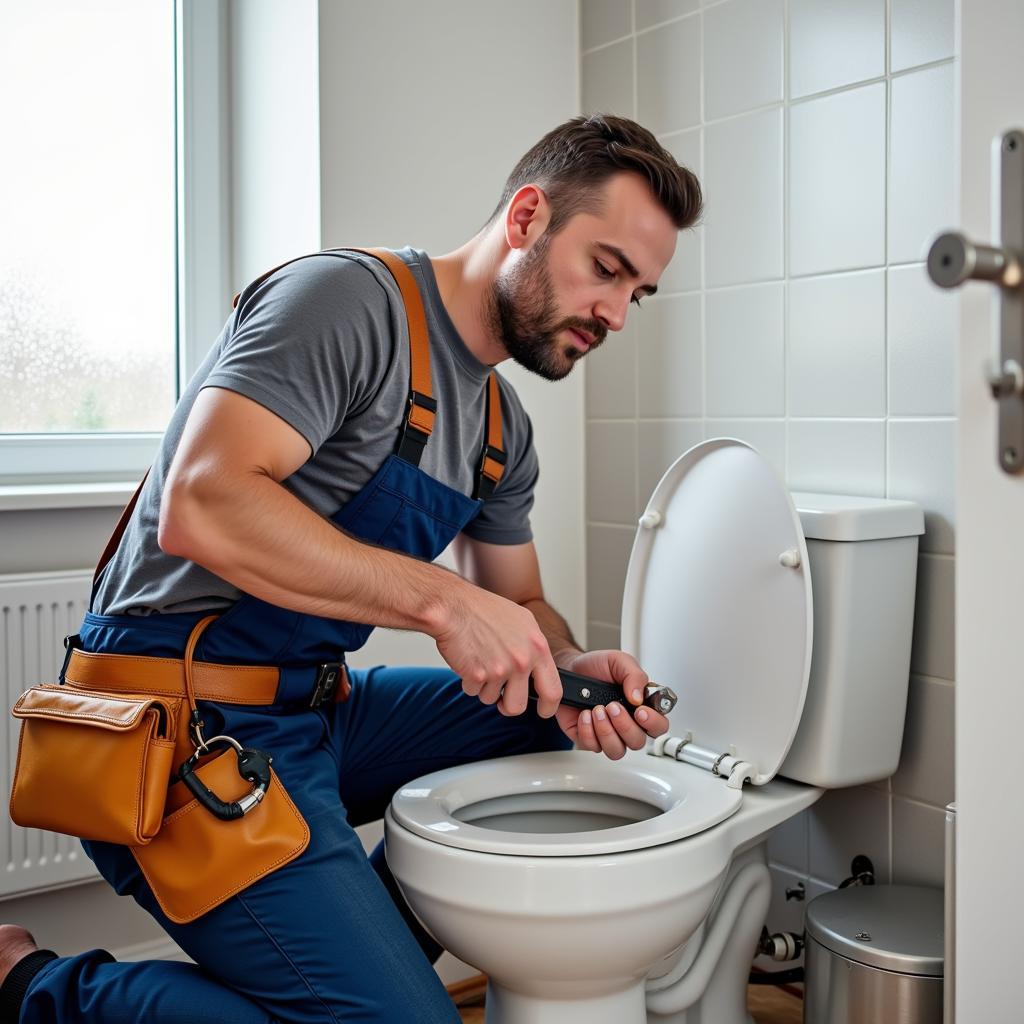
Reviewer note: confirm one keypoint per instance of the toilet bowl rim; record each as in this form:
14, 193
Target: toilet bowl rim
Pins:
688, 800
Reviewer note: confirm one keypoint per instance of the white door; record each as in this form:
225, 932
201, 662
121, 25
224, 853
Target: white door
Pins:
989, 565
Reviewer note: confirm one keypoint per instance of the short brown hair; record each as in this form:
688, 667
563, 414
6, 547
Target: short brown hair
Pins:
574, 160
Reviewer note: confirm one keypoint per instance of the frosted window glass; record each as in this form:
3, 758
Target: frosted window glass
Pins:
87, 216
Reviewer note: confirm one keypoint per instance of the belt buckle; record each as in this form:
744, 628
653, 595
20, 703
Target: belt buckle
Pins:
325, 685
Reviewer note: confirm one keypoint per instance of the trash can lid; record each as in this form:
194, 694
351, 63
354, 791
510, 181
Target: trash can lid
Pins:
891, 927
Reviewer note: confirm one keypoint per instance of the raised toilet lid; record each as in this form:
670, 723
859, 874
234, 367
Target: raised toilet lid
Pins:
717, 603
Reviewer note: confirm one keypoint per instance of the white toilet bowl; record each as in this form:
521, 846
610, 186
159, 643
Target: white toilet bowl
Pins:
593, 891
566, 879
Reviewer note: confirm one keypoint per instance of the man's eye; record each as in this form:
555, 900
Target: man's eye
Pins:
602, 270
636, 301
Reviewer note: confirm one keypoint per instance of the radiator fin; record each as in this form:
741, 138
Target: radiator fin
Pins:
37, 611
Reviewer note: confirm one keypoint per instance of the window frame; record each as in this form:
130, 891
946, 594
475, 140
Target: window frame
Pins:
202, 258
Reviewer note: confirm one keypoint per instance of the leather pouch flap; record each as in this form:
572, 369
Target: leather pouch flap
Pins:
102, 710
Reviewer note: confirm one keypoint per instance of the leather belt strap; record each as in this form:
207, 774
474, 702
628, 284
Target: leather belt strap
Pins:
229, 684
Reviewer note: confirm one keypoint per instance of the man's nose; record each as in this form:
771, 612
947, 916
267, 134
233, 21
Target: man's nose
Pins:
612, 312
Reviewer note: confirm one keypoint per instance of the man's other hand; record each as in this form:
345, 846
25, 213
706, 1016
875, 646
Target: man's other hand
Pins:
611, 729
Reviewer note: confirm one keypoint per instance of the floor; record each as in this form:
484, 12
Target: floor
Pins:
768, 1004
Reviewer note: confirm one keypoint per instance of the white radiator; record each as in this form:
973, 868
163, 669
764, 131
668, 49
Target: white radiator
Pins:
36, 612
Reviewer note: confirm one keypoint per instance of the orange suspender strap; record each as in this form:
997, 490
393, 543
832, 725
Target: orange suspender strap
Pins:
492, 462
422, 409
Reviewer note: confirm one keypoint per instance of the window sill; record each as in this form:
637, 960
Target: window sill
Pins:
30, 497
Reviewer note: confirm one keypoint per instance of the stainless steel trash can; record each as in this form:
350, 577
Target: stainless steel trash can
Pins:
874, 956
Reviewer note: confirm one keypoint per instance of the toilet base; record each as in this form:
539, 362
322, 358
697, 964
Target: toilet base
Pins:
507, 1007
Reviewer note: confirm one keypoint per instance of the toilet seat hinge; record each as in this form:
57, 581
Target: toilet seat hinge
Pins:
726, 765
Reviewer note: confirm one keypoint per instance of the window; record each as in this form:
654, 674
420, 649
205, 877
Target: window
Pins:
92, 246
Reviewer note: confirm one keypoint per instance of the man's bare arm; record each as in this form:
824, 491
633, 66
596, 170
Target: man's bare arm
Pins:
224, 508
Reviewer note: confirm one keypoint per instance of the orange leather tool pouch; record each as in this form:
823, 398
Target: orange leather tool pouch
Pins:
198, 860
93, 765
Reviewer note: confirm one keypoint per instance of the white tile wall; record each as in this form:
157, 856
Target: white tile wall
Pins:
683, 274
921, 468
839, 456
783, 321
670, 358
926, 762
767, 436
611, 472
661, 443
668, 76
611, 379
837, 182
607, 79
745, 341
834, 43
918, 840
837, 345
654, 12
608, 550
933, 653
743, 194
922, 178
603, 21
843, 823
922, 31
742, 56
922, 345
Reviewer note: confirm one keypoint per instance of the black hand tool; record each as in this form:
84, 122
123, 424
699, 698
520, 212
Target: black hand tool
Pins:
584, 692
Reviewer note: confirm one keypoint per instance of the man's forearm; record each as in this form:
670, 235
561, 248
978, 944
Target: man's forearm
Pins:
560, 639
261, 538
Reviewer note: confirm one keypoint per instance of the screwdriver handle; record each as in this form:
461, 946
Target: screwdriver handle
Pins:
584, 693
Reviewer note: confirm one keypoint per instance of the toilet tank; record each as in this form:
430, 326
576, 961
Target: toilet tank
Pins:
863, 562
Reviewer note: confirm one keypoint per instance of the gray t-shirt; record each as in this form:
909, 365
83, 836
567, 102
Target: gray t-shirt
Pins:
324, 344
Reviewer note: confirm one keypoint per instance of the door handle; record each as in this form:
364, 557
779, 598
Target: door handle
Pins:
954, 259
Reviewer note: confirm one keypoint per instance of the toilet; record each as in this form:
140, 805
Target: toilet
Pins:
593, 891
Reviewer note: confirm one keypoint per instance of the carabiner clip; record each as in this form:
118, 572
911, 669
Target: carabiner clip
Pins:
253, 766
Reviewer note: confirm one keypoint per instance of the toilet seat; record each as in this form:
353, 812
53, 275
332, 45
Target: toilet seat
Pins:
686, 800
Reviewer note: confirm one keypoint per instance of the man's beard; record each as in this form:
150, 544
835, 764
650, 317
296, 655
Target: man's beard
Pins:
522, 312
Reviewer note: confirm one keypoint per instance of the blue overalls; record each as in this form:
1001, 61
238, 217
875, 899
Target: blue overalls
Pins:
328, 936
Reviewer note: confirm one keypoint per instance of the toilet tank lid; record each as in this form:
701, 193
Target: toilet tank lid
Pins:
847, 517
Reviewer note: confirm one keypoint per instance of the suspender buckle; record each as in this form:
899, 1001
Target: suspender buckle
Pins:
414, 439
495, 454
329, 678
485, 483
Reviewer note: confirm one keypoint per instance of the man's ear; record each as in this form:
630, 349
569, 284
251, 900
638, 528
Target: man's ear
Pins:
527, 217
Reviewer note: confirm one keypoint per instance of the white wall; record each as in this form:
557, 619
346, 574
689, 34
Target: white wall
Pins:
798, 318
273, 100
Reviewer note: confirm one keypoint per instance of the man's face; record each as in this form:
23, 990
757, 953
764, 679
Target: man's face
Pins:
559, 298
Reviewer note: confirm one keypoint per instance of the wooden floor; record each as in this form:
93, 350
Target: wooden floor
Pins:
767, 1003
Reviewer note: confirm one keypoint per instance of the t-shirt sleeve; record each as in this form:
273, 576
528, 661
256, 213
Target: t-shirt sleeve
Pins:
307, 343
505, 516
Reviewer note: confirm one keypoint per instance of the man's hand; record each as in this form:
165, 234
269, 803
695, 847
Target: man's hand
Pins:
609, 730
495, 645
